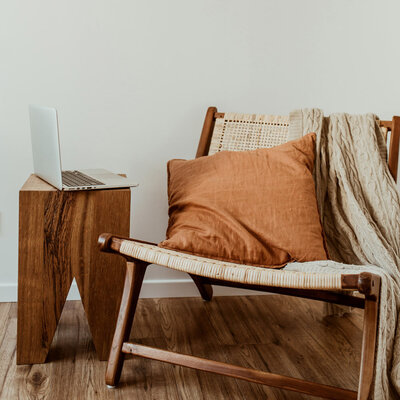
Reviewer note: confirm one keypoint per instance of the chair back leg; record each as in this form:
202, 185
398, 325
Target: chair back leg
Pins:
135, 271
205, 289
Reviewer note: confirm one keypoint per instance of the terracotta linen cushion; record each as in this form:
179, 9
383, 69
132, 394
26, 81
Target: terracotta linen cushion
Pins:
251, 207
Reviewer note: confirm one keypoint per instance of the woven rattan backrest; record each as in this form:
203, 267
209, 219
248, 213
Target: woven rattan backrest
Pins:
238, 132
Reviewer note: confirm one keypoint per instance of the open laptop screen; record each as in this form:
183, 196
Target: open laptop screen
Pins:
46, 144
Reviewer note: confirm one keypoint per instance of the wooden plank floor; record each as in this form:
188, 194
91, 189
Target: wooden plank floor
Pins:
274, 333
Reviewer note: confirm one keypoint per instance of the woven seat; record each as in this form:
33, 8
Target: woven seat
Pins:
231, 272
237, 132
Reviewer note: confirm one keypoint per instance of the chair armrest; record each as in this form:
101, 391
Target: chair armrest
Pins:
110, 243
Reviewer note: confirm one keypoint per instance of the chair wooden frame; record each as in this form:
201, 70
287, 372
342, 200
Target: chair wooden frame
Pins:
365, 283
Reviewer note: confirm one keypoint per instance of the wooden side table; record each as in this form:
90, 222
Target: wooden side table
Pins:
58, 234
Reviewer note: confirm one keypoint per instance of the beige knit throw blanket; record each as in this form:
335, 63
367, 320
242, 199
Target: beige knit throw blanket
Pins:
360, 211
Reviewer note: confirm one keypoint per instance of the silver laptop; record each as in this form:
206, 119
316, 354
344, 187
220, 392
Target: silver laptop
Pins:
47, 157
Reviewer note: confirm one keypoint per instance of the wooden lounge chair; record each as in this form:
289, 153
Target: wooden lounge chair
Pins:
245, 132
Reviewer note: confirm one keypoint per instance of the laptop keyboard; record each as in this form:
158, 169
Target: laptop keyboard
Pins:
76, 178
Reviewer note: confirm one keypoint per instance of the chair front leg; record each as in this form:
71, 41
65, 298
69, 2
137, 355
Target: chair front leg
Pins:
368, 349
135, 271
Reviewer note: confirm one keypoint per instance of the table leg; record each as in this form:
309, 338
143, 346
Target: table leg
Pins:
100, 277
44, 273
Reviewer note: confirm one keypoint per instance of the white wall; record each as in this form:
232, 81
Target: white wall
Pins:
132, 81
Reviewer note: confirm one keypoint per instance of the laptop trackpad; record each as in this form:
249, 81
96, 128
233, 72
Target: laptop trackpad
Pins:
105, 176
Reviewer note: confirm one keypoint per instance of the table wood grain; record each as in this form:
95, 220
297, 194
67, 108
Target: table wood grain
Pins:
58, 234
